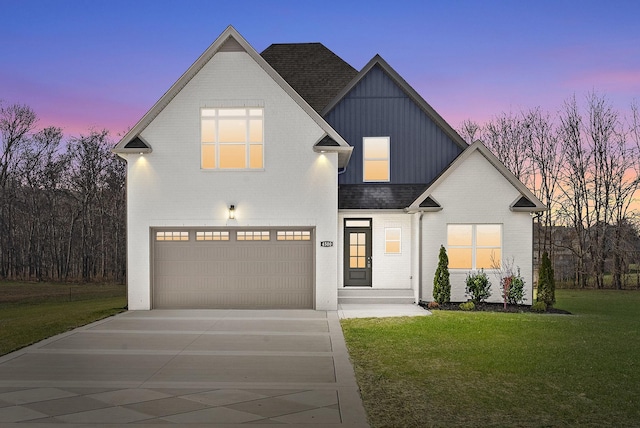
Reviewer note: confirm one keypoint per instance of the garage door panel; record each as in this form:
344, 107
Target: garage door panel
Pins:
233, 274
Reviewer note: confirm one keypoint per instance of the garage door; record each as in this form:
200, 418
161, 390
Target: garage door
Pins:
232, 268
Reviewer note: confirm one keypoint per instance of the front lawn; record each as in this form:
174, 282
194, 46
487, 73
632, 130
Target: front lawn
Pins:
504, 369
32, 312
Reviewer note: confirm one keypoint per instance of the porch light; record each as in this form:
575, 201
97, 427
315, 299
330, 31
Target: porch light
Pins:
232, 212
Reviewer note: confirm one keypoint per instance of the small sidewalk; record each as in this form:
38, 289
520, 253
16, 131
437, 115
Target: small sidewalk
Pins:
196, 368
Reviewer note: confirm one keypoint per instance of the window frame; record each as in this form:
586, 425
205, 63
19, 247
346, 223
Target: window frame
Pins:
474, 247
172, 236
387, 240
366, 158
214, 116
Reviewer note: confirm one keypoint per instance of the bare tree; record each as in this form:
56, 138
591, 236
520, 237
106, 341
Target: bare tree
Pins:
547, 158
16, 122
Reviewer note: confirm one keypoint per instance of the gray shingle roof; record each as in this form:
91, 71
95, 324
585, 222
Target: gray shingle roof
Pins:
379, 196
316, 73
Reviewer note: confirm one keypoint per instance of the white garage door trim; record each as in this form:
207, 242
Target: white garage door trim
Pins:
239, 268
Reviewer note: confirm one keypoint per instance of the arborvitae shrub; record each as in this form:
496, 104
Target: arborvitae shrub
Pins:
441, 283
546, 282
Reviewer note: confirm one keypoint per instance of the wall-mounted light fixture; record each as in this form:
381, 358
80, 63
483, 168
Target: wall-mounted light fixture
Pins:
232, 212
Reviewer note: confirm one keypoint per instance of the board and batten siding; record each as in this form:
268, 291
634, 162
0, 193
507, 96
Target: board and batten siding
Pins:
378, 107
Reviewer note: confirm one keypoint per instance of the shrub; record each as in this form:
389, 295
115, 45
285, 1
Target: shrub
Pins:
539, 307
514, 292
467, 306
478, 286
433, 305
441, 283
546, 282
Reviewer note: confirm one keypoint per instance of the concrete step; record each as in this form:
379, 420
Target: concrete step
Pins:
369, 295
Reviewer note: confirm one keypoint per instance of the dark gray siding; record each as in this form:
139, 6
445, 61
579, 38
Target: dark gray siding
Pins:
378, 107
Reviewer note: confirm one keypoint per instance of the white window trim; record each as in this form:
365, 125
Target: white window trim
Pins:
474, 247
216, 118
399, 240
365, 159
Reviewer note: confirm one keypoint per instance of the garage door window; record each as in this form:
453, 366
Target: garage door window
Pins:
172, 235
294, 235
212, 236
252, 235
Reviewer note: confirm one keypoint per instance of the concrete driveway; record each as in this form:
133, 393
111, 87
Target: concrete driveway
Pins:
222, 368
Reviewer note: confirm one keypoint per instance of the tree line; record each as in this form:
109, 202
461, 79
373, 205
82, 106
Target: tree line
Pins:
584, 164
63, 215
62, 203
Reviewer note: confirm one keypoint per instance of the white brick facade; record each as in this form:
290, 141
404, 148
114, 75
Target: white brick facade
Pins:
167, 187
388, 270
476, 193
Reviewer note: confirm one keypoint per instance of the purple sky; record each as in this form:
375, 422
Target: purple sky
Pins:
104, 63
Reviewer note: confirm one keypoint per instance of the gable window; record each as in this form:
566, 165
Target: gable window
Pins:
474, 246
375, 159
231, 138
392, 240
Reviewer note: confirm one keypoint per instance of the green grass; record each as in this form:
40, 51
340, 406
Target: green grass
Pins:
497, 369
30, 313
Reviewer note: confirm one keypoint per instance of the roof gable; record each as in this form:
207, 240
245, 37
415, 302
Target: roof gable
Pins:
314, 71
378, 62
526, 202
231, 41
378, 103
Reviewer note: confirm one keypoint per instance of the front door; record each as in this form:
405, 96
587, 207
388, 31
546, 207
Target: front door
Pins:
357, 252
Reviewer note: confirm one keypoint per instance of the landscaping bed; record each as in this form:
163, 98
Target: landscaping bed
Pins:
493, 307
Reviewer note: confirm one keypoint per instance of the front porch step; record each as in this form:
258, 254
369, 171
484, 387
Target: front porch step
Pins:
375, 295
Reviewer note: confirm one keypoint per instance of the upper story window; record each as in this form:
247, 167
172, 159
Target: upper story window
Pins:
232, 138
376, 159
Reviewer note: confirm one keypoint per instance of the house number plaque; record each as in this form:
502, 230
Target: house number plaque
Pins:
326, 243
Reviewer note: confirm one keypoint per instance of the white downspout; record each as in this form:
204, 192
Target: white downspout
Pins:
416, 250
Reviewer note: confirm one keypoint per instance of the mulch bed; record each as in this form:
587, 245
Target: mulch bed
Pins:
494, 307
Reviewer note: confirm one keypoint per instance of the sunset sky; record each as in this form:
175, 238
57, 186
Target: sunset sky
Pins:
103, 64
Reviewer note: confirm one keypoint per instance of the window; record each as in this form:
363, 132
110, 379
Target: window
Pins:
294, 235
474, 246
172, 236
376, 158
212, 236
392, 238
252, 235
231, 138
357, 250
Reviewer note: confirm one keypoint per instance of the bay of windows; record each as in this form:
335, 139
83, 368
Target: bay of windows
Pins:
232, 138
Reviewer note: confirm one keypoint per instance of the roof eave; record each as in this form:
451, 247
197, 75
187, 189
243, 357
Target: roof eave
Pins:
344, 153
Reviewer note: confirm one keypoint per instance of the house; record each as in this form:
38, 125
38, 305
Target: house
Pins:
288, 179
